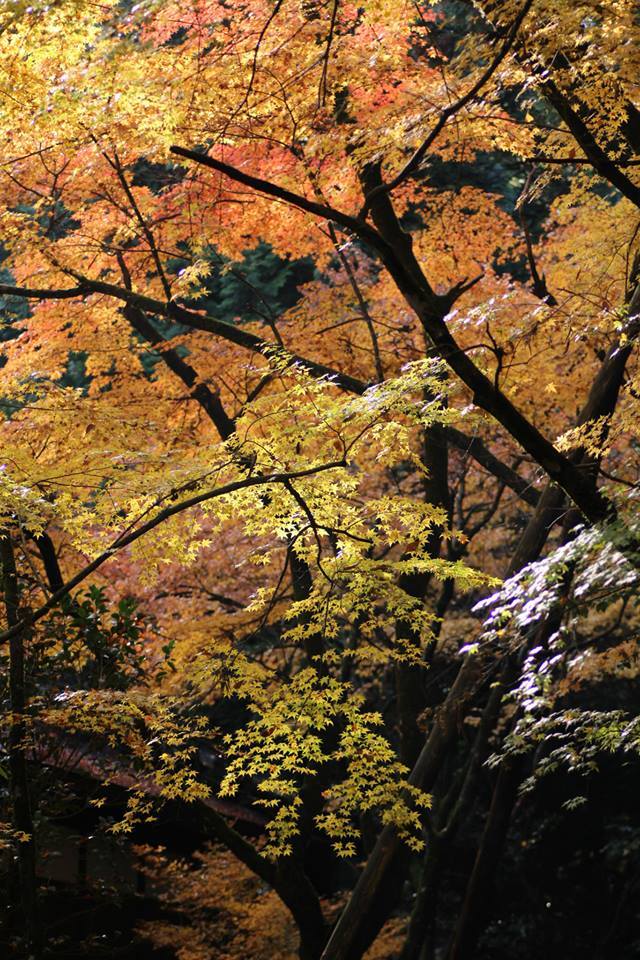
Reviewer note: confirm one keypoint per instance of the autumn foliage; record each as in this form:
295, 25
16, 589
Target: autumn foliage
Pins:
318, 497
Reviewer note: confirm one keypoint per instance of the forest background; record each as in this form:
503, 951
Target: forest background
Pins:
318, 496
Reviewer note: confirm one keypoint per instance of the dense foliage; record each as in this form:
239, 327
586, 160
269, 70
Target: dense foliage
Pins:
318, 499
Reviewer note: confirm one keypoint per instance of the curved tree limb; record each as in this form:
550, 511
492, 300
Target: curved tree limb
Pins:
125, 540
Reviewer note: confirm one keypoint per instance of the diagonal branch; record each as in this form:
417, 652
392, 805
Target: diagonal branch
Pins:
124, 541
144, 226
602, 164
595, 155
475, 448
208, 399
197, 321
280, 193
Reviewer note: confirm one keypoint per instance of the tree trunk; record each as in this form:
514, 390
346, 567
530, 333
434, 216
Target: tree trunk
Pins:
19, 787
473, 913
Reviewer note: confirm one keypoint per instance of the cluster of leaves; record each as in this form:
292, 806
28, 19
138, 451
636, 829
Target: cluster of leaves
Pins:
289, 739
94, 645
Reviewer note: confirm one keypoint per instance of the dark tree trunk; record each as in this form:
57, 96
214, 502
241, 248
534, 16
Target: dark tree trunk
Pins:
410, 679
20, 788
473, 915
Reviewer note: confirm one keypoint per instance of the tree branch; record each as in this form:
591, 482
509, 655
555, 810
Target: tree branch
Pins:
191, 319
431, 310
606, 168
413, 163
124, 541
270, 189
33, 293
208, 399
482, 455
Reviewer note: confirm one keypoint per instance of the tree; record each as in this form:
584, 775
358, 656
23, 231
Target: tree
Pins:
429, 384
